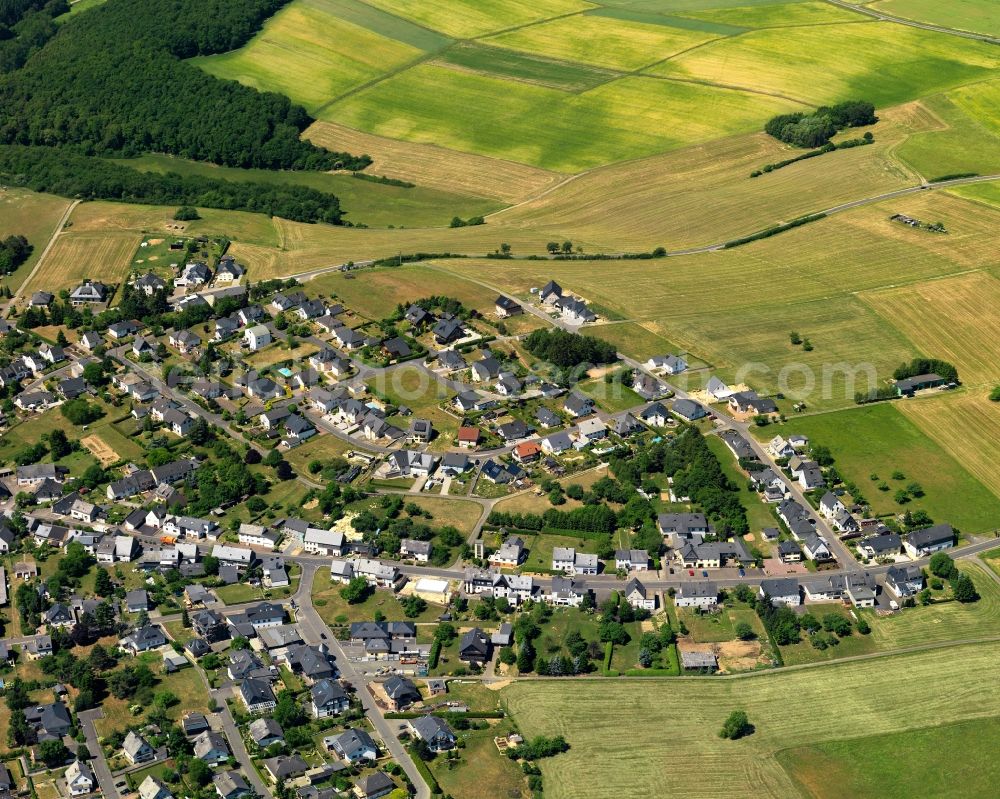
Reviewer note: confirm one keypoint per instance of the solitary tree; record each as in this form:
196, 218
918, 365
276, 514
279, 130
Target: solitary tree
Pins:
736, 726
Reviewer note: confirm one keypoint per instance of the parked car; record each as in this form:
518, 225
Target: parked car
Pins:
690, 572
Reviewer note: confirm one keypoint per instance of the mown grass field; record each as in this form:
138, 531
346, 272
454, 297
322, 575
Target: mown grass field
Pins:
376, 292
433, 166
34, 216
948, 621
979, 16
877, 765
626, 118
662, 200
311, 55
108, 217
624, 44
944, 319
75, 256
872, 60
364, 201
469, 18
966, 425
334, 610
624, 722
880, 439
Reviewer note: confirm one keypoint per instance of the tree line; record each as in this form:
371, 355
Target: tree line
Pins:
114, 81
817, 128
926, 366
68, 174
14, 251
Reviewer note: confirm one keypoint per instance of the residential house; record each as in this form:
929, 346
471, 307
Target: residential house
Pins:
284, 767
420, 551
506, 307
688, 410
136, 749
655, 414
211, 747
474, 647
510, 554
152, 788
79, 778
231, 785
143, 639
632, 560
228, 271
637, 596
789, 552
193, 274
904, 580
51, 722
884, 545
434, 732
486, 369
922, 543
668, 364
468, 437
257, 695
256, 337
680, 527
400, 693
556, 443
327, 698
353, 745
701, 594
89, 293
566, 592
577, 405
781, 590
149, 284
374, 786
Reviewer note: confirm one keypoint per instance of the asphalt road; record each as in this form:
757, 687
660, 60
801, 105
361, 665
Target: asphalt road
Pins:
99, 764
315, 631
912, 23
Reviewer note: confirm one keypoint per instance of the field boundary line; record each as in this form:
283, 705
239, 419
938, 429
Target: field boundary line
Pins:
60, 226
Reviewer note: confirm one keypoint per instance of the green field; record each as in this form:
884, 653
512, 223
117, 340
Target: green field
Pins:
878, 765
335, 611
833, 62
776, 16
365, 202
625, 45
879, 439
537, 69
626, 118
625, 722
978, 16
308, 53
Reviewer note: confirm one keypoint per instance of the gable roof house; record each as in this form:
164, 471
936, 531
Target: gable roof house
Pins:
50, 722
506, 307
136, 749
904, 580
256, 337
400, 693
781, 590
636, 595
144, 639
230, 785
921, 543
689, 410
211, 747
257, 695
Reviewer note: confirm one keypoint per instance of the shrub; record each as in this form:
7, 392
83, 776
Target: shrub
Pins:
736, 726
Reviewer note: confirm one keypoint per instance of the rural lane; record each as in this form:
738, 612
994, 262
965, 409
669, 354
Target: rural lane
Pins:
912, 23
45, 254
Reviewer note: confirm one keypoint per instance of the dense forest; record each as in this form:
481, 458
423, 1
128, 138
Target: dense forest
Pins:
113, 80
25, 26
87, 177
817, 128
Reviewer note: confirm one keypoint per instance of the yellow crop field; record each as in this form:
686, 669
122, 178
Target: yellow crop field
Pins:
665, 730
835, 62
776, 15
437, 167
967, 425
704, 194
981, 16
310, 55
981, 103
97, 256
623, 44
945, 319
469, 18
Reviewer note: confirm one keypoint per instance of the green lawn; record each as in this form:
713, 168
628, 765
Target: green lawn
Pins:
334, 610
717, 627
758, 513
612, 397
878, 439
540, 549
891, 766
854, 644
481, 772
